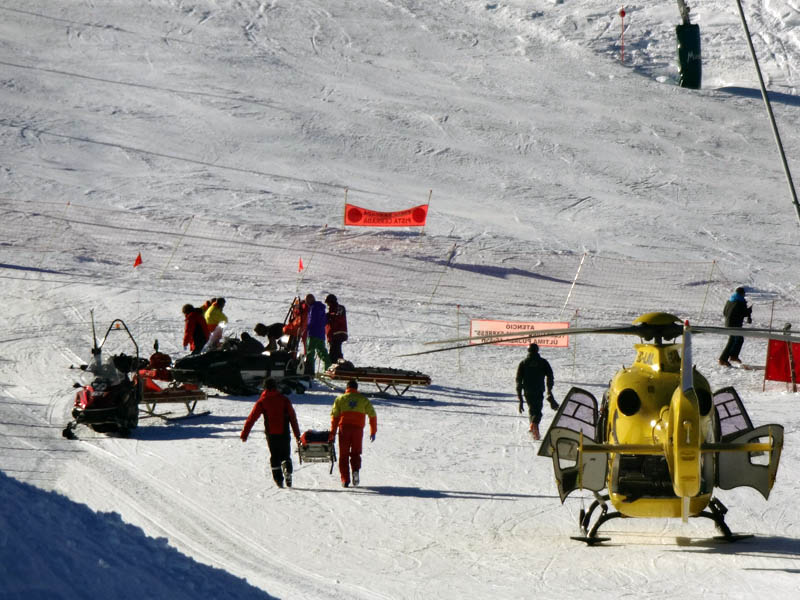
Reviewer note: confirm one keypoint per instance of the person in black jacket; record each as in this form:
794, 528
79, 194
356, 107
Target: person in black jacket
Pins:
735, 312
534, 377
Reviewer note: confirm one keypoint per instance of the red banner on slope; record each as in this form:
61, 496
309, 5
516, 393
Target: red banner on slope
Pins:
778, 363
362, 217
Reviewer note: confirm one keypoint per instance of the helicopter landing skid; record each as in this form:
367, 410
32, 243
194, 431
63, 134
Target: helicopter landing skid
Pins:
590, 536
716, 513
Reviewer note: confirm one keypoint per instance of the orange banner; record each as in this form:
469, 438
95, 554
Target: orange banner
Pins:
484, 330
362, 217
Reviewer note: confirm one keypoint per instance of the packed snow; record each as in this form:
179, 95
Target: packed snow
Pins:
220, 141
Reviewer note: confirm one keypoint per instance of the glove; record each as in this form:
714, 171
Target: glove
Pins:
552, 401
520, 404
749, 319
331, 437
372, 437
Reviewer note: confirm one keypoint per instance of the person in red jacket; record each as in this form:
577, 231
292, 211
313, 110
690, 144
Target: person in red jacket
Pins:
335, 328
278, 414
348, 416
195, 330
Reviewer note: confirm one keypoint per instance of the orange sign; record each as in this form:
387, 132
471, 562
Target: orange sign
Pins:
486, 330
362, 217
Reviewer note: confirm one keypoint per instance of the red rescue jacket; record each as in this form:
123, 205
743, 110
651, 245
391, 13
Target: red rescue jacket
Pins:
278, 414
336, 327
195, 329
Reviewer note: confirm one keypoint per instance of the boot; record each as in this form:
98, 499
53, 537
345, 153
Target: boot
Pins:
534, 429
355, 478
287, 474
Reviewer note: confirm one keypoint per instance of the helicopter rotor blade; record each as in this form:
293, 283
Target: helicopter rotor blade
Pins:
762, 333
504, 338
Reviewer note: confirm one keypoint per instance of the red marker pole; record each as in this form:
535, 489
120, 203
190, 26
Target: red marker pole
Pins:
622, 35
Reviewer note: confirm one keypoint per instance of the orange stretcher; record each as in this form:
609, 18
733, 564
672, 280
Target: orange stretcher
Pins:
169, 392
384, 378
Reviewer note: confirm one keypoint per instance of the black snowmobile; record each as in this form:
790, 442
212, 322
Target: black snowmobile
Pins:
234, 370
108, 398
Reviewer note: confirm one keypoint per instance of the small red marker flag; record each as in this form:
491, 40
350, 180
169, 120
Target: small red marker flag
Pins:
300, 264
138, 260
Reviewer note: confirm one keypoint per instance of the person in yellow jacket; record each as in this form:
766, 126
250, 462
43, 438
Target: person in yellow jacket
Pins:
348, 416
214, 315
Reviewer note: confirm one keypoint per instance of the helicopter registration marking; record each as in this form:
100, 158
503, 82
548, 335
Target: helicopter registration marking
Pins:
485, 330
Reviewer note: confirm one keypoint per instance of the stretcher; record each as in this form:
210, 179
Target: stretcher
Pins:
314, 447
384, 378
169, 392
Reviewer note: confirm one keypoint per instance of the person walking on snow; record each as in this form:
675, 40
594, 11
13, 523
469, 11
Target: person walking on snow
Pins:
316, 331
348, 416
534, 377
735, 312
336, 328
279, 415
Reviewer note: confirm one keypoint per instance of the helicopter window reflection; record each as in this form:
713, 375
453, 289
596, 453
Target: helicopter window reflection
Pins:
733, 417
579, 412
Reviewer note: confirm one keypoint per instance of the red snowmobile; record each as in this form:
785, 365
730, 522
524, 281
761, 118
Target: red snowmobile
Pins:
108, 398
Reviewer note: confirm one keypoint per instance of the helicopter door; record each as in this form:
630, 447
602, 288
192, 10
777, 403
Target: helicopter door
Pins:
578, 412
733, 417
738, 469
577, 415
589, 474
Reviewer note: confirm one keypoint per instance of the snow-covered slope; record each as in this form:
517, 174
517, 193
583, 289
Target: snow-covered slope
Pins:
221, 139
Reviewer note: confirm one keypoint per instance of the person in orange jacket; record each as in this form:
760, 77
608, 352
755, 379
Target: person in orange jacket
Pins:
278, 414
348, 416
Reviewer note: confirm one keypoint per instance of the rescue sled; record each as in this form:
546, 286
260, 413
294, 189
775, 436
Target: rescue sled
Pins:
107, 399
314, 447
158, 387
384, 378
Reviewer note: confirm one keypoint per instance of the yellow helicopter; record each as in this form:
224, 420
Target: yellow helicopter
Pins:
660, 441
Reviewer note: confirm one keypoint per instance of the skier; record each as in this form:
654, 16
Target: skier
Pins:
735, 312
336, 328
534, 377
278, 415
348, 416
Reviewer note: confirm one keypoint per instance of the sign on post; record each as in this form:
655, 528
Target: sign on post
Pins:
485, 330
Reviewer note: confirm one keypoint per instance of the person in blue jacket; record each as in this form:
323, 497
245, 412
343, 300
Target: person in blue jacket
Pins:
735, 312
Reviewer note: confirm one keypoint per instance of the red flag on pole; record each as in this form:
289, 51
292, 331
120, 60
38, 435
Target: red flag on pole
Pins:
138, 260
300, 265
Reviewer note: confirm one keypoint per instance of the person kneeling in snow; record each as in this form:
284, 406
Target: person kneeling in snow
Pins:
348, 415
278, 415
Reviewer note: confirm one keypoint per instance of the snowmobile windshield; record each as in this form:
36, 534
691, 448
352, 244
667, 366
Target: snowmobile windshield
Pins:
105, 371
